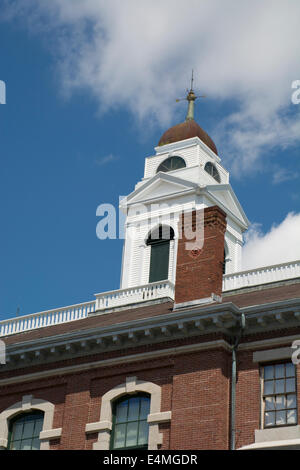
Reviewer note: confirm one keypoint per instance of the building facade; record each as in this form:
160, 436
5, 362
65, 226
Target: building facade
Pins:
190, 352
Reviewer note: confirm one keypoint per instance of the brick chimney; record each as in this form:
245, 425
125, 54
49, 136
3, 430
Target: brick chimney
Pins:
199, 272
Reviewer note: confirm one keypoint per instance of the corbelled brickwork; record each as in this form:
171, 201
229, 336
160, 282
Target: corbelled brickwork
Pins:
199, 272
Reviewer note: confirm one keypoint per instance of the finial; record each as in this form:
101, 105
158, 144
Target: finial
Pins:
191, 98
192, 79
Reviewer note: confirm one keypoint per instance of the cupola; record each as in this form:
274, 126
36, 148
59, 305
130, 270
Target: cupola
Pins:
189, 128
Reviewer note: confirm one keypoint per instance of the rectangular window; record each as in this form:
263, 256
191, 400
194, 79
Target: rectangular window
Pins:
159, 263
279, 395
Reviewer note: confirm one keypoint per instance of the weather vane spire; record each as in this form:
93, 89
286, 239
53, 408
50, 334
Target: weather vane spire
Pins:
190, 98
192, 79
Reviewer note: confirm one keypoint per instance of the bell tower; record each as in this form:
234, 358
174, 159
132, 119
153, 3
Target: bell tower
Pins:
184, 175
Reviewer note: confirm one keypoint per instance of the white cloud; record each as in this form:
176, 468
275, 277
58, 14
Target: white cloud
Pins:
140, 55
100, 161
281, 244
281, 175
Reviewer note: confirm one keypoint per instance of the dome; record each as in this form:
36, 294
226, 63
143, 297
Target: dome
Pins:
186, 130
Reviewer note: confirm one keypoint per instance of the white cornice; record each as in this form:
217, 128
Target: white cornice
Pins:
184, 144
181, 183
241, 222
228, 187
187, 323
197, 314
187, 187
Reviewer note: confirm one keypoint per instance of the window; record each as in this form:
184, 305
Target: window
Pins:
130, 427
224, 262
106, 423
279, 395
171, 163
212, 171
225, 257
159, 240
24, 431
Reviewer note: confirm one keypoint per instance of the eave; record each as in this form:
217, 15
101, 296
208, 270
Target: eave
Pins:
186, 323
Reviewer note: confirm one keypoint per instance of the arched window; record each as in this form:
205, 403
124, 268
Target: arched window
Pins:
129, 424
24, 431
212, 171
159, 240
171, 163
225, 257
224, 262
130, 389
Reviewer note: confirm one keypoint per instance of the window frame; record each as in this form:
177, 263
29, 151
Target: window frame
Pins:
284, 394
104, 426
226, 259
27, 403
114, 406
160, 230
211, 165
18, 417
169, 159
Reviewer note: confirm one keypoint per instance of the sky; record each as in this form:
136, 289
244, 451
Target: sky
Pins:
91, 86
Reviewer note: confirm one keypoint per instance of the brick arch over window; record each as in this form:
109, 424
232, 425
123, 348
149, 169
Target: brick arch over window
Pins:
29, 403
132, 386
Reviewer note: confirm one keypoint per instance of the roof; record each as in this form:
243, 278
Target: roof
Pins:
252, 296
264, 294
93, 321
187, 130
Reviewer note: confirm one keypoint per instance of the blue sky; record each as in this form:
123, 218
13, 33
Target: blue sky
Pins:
68, 147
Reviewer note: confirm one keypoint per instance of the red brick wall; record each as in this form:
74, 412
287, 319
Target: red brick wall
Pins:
200, 405
195, 387
248, 398
199, 273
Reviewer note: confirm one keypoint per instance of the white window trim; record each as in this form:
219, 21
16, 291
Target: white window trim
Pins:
29, 403
265, 430
132, 385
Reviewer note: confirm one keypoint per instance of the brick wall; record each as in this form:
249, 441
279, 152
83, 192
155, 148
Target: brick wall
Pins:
248, 399
199, 272
195, 387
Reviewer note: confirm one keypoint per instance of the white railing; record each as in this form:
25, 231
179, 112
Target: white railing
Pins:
104, 301
47, 318
132, 295
277, 272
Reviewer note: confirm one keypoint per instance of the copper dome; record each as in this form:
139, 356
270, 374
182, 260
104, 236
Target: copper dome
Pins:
186, 130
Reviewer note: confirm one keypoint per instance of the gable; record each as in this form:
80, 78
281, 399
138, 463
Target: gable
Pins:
163, 185
159, 186
226, 196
